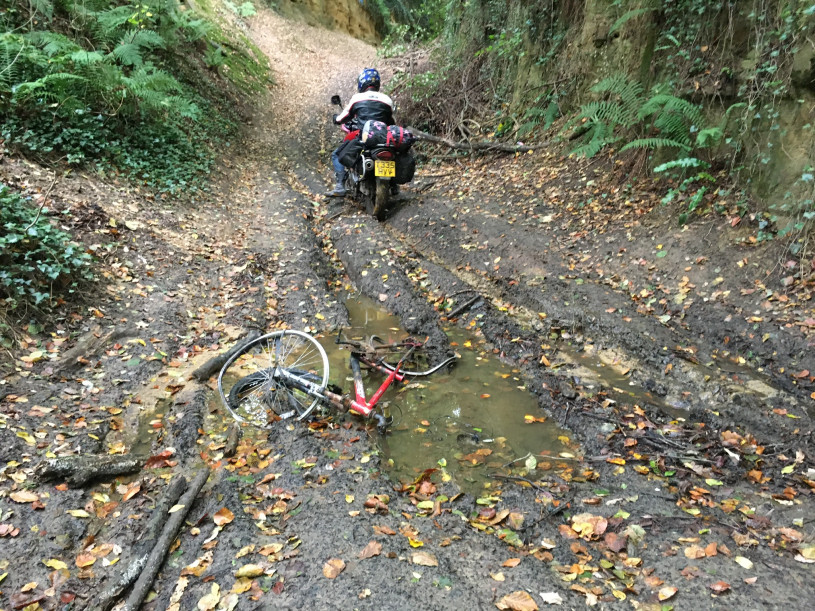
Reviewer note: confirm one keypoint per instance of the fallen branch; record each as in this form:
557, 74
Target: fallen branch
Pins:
165, 540
479, 146
78, 470
128, 575
464, 307
213, 365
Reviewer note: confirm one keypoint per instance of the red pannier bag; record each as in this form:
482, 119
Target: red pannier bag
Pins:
399, 138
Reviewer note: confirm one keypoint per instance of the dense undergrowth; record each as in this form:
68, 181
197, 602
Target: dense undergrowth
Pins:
144, 90
700, 92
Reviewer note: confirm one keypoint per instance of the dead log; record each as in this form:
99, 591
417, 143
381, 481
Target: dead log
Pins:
143, 546
233, 437
479, 146
78, 470
213, 365
164, 541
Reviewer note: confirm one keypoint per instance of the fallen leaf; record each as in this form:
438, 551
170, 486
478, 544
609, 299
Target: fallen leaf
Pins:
424, 559
744, 562
333, 567
211, 600
78, 513
720, 587
55, 564
249, 570
551, 598
24, 496
374, 548
223, 516
666, 592
132, 490
511, 562
517, 601
84, 560
498, 576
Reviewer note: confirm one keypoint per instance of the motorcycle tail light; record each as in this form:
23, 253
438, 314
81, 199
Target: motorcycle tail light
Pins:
384, 155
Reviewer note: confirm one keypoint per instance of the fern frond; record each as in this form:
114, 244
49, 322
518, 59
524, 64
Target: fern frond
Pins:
58, 80
83, 58
42, 7
673, 127
683, 163
671, 103
655, 143
147, 39
194, 29
52, 43
128, 54
179, 105
109, 21
632, 14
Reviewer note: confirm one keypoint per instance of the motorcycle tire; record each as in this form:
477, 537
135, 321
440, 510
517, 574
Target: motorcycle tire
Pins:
383, 191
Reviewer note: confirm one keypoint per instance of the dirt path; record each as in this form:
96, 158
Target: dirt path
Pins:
690, 470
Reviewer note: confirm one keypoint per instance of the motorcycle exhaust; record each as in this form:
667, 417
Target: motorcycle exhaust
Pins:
367, 166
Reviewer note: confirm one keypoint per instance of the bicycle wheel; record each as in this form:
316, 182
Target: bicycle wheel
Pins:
259, 395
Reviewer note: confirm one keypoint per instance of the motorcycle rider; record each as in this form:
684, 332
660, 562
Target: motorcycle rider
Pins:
368, 104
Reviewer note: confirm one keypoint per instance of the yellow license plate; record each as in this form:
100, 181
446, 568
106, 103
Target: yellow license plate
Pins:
385, 168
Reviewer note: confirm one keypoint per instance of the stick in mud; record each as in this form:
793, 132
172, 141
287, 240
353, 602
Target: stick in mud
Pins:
213, 365
126, 578
233, 437
78, 470
464, 307
168, 534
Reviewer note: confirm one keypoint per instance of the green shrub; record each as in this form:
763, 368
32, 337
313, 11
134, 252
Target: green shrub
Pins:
38, 261
93, 82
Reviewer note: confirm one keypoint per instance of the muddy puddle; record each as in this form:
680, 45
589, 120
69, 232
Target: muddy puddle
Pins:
468, 421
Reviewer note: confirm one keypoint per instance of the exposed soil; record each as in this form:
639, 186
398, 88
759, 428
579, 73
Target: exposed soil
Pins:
684, 379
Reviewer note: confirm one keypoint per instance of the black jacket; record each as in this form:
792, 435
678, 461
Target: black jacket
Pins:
367, 106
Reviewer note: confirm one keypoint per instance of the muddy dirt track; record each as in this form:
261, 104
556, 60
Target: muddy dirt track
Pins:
682, 380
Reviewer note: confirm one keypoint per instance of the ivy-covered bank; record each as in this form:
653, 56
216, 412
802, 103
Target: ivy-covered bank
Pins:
692, 88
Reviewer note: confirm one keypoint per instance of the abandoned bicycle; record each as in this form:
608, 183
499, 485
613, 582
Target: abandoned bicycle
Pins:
284, 375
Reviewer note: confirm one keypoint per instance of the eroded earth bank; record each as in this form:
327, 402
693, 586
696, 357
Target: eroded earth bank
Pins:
667, 454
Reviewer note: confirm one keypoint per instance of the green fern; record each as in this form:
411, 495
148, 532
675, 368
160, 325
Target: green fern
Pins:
128, 54
655, 143
632, 14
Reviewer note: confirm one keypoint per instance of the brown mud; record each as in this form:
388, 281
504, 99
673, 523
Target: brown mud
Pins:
681, 380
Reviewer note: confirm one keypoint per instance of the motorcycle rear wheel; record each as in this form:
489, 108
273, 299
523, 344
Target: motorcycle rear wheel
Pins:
383, 191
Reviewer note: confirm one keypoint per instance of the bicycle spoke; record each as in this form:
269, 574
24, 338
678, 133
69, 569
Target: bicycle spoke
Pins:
264, 393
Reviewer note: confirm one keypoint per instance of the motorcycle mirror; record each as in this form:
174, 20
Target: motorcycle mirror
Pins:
335, 99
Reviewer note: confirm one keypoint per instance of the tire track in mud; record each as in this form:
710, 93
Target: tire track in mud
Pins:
514, 267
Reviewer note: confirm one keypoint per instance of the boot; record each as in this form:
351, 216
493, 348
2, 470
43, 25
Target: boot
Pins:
339, 188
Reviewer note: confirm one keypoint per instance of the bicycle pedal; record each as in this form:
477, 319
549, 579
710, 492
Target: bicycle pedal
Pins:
334, 388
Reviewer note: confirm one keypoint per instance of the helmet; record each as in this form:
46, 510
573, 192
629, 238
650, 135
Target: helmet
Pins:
368, 78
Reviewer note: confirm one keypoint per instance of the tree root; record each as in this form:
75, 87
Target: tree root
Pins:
169, 497
78, 470
168, 534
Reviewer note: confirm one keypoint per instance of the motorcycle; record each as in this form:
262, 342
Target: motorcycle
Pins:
376, 168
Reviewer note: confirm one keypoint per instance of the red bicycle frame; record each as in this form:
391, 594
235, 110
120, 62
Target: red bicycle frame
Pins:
360, 404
